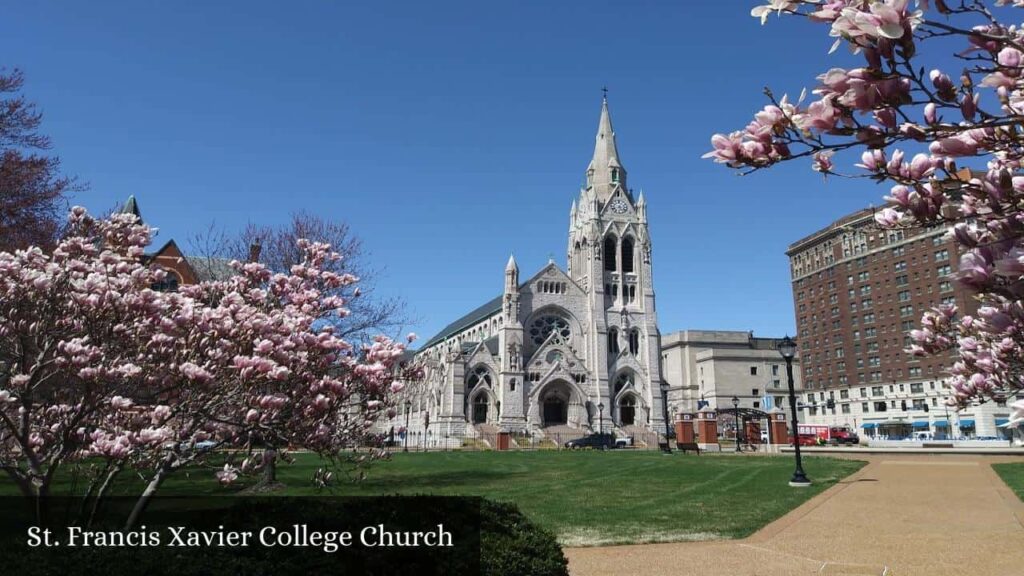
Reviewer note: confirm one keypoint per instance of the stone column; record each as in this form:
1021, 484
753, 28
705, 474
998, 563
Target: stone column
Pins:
707, 429
684, 428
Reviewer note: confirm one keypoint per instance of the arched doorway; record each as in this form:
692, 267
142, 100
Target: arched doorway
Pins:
554, 404
627, 411
480, 409
556, 411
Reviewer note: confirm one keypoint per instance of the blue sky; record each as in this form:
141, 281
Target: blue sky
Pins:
448, 134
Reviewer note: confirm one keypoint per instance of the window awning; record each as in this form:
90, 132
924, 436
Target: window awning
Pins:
921, 424
967, 423
1001, 421
940, 424
868, 425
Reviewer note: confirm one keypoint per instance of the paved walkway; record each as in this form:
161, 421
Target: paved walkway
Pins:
901, 515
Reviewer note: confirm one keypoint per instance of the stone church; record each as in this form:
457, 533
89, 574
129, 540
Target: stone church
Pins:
569, 349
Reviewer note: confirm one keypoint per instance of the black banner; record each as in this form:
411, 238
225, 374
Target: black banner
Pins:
185, 536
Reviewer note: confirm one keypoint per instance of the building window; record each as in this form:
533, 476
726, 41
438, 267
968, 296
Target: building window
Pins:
613, 341
627, 254
753, 370
609, 252
634, 341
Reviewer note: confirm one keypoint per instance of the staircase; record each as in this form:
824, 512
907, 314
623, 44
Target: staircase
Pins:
642, 437
485, 434
560, 434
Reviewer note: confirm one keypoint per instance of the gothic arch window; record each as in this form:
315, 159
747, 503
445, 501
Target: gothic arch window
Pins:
479, 376
627, 254
544, 326
621, 382
609, 252
170, 282
613, 341
615, 174
634, 341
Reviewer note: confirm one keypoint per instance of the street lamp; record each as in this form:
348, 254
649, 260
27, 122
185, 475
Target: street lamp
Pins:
408, 409
668, 425
600, 417
736, 410
788, 350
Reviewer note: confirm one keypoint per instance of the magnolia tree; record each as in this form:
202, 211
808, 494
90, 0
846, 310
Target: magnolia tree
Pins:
95, 366
950, 143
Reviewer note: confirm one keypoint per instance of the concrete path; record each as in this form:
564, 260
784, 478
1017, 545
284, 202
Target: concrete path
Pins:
901, 515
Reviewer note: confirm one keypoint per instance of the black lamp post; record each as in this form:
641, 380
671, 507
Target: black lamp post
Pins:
408, 409
668, 425
736, 409
788, 350
600, 417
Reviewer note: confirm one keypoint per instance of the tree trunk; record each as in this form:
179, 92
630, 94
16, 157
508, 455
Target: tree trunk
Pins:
147, 494
102, 493
269, 467
268, 481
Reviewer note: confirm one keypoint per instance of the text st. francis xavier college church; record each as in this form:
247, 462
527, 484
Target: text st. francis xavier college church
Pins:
549, 351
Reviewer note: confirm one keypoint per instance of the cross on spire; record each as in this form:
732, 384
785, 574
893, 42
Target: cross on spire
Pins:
604, 90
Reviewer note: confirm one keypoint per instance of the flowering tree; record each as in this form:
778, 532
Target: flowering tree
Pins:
31, 187
95, 364
952, 148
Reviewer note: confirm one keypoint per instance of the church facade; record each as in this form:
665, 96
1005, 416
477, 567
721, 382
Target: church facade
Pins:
575, 348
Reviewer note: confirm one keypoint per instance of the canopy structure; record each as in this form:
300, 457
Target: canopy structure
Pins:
1002, 421
967, 423
921, 424
868, 425
941, 424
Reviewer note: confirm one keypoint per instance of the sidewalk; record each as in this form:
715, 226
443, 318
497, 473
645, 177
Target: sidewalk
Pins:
901, 515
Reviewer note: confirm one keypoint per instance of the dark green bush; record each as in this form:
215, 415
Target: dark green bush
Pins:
512, 545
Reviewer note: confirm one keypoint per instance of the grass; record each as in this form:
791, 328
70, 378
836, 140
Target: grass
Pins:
1013, 475
587, 498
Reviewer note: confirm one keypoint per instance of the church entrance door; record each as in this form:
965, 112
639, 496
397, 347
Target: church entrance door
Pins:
627, 411
556, 411
480, 409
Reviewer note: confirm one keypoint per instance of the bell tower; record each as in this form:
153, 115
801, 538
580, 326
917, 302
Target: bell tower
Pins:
609, 256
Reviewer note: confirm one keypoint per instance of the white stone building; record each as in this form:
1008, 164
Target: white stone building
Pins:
550, 350
902, 410
716, 365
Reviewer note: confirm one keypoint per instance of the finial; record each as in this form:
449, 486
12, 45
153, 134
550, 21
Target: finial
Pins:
604, 90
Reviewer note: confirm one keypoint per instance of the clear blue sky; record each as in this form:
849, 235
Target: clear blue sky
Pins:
448, 134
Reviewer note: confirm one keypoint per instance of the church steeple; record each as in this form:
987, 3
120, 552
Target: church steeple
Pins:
605, 172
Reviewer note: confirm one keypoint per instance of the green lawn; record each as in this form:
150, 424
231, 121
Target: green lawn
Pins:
587, 498
1013, 475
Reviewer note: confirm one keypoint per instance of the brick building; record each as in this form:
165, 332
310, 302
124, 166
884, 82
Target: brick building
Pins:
858, 291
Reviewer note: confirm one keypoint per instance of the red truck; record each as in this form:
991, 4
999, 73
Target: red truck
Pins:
811, 435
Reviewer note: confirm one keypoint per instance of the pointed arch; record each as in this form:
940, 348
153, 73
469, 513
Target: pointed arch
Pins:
610, 250
613, 341
628, 253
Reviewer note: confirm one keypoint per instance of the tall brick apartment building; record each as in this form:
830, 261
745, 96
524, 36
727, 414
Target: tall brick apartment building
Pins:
858, 290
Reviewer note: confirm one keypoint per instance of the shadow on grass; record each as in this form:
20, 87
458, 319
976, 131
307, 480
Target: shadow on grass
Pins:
427, 481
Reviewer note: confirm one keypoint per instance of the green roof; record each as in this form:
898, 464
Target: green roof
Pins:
489, 309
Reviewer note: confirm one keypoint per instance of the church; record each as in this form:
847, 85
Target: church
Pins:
568, 350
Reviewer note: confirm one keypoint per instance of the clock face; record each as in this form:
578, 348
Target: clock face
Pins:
619, 206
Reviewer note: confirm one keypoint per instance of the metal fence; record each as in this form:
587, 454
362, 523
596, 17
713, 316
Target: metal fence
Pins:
418, 442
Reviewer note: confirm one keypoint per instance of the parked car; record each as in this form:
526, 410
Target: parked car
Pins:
595, 441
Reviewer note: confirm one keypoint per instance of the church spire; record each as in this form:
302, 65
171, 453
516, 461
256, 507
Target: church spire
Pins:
605, 172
